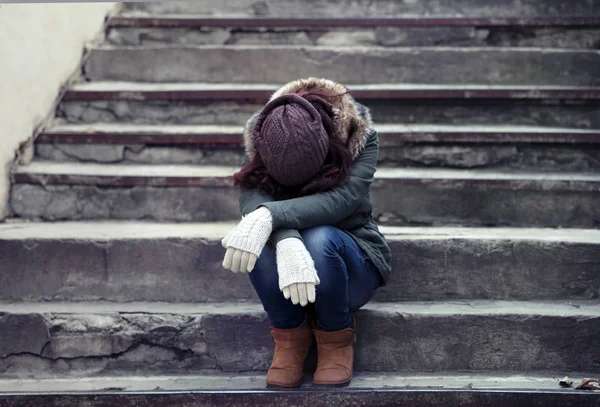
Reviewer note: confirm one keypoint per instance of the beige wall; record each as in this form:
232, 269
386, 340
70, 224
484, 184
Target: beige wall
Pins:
40, 47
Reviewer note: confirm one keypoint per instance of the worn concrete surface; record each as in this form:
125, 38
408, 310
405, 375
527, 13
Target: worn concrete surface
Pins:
462, 205
406, 196
89, 202
342, 398
576, 115
438, 155
245, 64
519, 156
381, 36
133, 261
502, 381
140, 154
131, 339
138, 112
377, 8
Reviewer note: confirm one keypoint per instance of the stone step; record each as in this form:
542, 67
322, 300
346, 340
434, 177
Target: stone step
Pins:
107, 90
48, 339
51, 191
378, 8
248, 389
232, 104
556, 32
168, 21
441, 65
133, 261
499, 147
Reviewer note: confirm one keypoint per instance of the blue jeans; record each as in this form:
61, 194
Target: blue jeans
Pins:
348, 281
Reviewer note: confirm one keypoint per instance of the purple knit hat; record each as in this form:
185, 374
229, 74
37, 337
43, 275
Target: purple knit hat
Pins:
291, 140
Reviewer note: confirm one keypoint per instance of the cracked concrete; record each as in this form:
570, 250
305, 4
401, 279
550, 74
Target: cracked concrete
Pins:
89, 202
459, 112
450, 202
466, 155
159, 112
181, 263
475, 340
139, 154
580, 38
244, 64
373, 8
93, 344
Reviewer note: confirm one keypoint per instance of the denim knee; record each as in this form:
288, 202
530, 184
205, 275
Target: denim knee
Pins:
264, 277
319, 240
320, 243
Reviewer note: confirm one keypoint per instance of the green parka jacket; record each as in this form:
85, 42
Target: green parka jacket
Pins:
347, 207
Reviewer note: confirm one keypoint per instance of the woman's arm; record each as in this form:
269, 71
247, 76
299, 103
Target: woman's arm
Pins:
332, 206
252, 199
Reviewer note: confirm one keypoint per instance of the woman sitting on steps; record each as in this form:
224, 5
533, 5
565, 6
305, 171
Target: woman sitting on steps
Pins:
307, 234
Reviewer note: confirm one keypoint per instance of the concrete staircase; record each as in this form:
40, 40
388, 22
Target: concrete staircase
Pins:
488, 191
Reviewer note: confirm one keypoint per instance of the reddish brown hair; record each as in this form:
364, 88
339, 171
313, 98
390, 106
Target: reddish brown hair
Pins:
334, 172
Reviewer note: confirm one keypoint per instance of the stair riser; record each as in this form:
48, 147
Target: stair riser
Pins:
380, 8
380, 65
461, 155
190, 270
84, 344
556, 37
575, 115
435, 204
379, 398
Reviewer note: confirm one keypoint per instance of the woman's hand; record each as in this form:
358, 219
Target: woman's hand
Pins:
246, 241
296, 268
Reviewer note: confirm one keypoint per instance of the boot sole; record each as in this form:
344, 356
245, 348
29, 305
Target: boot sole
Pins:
340, 384
274, 386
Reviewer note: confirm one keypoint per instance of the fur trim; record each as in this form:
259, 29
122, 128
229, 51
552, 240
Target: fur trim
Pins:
353, 120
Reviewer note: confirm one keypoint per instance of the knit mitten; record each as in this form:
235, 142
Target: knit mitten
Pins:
247, 240
296, 268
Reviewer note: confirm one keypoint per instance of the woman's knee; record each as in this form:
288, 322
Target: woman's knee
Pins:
319, 239
321, 243
264, 277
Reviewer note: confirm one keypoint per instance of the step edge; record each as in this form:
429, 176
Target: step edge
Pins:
585, 309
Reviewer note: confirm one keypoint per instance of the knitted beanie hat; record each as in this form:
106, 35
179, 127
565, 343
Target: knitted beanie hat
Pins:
291, 140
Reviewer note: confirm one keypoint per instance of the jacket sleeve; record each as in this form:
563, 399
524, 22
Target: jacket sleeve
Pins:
334, 205
252, 199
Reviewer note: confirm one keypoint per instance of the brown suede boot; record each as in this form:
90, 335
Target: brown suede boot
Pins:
291, 349
336, 357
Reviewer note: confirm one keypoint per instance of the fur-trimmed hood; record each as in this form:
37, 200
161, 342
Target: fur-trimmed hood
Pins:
352, 119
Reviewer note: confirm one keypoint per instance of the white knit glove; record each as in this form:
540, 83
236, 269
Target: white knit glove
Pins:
247, 240
296, 268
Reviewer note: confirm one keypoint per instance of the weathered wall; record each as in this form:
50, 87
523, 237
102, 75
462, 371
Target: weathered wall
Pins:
40, 47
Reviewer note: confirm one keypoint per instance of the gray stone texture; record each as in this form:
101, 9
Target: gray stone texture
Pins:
433, 396
157, 112
22, 334
245, 64
190, 270
389, 339
472, 112
92, 344
151, 36
527, 157
419, 203
583, 38
363, 8
541, 157
89, 202
460, 204
139, 154
507, 112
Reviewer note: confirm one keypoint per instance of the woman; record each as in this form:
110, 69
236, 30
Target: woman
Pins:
307, 234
